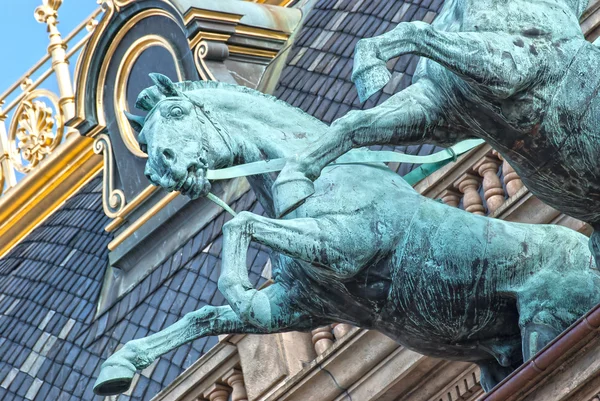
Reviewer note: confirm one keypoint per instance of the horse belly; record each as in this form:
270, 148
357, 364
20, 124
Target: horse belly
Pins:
445, 285
467, 339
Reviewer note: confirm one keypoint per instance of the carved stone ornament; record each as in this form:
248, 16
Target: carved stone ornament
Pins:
365, 250
34, 131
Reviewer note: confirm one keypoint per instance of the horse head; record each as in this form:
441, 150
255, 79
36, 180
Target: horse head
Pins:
181, 141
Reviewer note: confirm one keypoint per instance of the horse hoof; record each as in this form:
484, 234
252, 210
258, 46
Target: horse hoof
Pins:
370, 80
291, 191
114, 378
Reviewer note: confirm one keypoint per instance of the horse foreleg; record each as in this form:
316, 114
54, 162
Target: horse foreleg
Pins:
496, 62
412, 116
118, 370
325, 242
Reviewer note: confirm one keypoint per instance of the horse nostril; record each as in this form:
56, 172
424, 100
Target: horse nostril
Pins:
148, 176
169, 155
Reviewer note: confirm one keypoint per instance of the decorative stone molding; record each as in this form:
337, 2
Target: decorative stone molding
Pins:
511, 179
465, 387
469, 184
340, 330
450, 197
492, 187
322, 339
235, 379
217, 392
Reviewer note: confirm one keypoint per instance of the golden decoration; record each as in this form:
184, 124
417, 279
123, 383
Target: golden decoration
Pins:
31, 136
113, 200
194, 13
200, 54
130, 207
120, 94
262, 33
26, 84
1, 174
91, 25
47, 10
104, 67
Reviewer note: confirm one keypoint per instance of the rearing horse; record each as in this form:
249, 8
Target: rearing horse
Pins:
517, 73
366, 249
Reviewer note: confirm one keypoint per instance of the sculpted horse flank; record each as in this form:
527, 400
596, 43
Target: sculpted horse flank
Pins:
366, 249
517, 73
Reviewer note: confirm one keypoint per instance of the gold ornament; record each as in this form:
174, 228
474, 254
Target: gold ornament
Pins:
32, 134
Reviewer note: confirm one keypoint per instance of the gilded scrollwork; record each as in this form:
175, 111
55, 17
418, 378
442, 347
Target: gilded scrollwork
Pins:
113, 200
120, 94
203, 50
34, 131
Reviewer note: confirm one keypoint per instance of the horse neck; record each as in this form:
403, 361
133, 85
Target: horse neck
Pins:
261, 128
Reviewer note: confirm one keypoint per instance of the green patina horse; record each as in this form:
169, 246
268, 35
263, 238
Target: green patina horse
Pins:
366, 249
516, 73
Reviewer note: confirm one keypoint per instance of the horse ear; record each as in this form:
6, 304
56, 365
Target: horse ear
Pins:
137, 122
164, 84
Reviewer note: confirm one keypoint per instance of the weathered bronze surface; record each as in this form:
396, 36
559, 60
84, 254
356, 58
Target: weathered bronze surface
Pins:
516, 73
365, 249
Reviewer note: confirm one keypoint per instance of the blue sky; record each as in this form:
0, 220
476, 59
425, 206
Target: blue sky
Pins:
24, 41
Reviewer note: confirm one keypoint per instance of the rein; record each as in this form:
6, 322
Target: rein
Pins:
352, 157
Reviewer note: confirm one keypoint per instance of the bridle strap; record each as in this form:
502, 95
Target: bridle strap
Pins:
222, 132
352, 157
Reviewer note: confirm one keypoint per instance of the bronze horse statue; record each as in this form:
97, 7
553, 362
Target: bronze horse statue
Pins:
517, 73
366, 249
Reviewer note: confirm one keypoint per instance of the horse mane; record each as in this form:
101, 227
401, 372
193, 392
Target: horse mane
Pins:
148, 98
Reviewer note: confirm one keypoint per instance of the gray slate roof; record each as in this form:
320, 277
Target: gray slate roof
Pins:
50, 346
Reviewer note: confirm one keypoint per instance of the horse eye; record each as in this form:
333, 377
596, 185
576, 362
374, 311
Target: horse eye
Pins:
144, 147
176, 112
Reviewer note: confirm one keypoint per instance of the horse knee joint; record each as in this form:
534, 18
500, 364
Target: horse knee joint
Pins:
136, 353
238, 223
225, 283
256, 310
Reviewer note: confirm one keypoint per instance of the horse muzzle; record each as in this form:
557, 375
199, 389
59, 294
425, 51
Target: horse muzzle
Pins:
195, 185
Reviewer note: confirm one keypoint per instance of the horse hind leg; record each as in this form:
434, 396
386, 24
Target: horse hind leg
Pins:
118, 370
116, 373
539, 326
536, 336
492, 373
551, 301
496, 62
